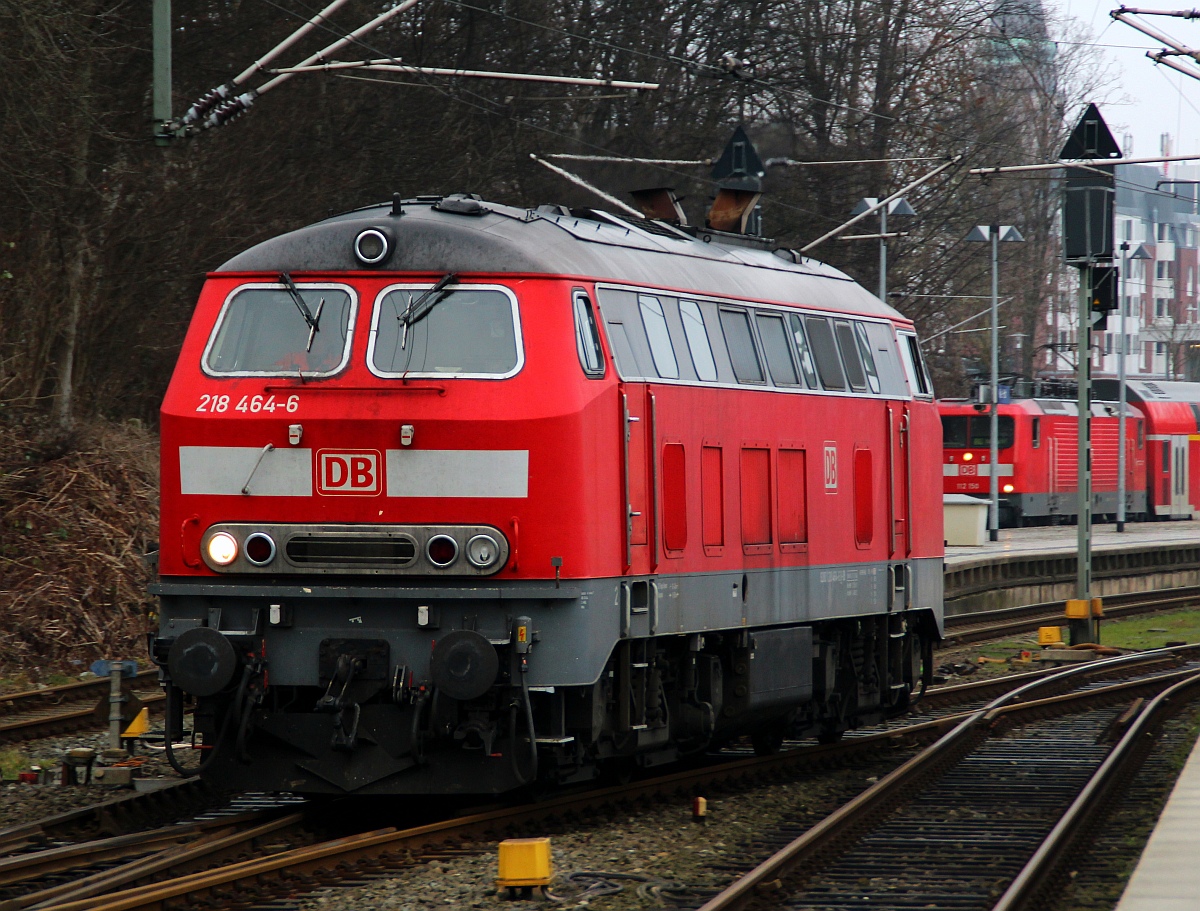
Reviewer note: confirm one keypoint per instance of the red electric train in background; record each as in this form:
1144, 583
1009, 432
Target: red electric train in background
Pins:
1038, 453
458, 495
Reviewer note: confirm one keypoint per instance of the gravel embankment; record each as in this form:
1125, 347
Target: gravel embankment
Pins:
658, 847
22, 803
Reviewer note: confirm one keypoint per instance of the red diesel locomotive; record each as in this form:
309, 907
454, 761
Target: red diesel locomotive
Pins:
1038, 442
457, 496
1038, 450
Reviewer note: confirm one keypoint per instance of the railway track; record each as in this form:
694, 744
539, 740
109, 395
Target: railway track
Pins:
57, 710
988, 813
962, 629
297, 869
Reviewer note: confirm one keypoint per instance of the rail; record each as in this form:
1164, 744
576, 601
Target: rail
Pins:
846, 823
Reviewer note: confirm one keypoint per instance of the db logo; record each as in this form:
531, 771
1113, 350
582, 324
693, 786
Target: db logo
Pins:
831, 468
968, 469
353, 472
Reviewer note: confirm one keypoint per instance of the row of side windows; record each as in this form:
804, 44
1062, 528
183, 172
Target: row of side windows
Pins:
656, 336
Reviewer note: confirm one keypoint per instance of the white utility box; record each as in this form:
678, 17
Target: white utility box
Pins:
966, 520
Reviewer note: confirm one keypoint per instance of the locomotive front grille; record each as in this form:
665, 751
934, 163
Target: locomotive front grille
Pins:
430, 550
351, 551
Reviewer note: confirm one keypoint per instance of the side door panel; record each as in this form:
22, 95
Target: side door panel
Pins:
635, 429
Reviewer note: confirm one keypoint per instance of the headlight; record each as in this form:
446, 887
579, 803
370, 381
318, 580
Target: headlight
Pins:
260, 549
372, 246
967, 456
222, 548
483, 551
442, 550
1008, 488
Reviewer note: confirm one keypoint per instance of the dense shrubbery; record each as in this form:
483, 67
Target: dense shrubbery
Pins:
78, 511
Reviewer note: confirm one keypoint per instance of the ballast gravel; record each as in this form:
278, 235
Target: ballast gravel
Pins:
657, 855
23, 802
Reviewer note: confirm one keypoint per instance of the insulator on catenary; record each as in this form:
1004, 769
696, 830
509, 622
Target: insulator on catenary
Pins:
206, 103
230, 110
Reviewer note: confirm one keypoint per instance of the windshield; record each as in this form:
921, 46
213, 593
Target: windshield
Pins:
473, 331
961, 432
261, 333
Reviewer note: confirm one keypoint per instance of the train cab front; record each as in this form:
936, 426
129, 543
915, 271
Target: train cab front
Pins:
966, 456
346, 472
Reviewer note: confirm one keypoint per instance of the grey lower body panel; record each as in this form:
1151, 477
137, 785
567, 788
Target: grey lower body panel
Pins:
577, 624
1043, 505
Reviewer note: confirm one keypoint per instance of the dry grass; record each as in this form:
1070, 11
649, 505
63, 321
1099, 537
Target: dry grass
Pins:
78, 511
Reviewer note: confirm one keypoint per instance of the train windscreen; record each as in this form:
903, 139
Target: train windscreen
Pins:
974, 432
470, 332
266, 330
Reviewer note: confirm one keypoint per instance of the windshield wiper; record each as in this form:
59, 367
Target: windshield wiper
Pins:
313, 321
418, 309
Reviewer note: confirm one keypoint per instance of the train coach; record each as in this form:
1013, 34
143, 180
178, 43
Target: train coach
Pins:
1172, 470
457, 496
1038, 450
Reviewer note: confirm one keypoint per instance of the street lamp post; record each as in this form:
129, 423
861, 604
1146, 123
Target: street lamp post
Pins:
995, 234
895, 207
1139, 254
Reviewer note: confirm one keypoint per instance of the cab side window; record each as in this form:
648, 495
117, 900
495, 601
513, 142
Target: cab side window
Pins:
739, 338
654, 321
868, 358
850, 356
824, 347
773, 333
587, 336
804, 354
697, 340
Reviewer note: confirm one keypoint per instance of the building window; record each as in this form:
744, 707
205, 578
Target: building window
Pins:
1160, 347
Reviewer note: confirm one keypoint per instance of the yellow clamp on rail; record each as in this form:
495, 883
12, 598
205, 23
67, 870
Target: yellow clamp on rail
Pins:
1097, 607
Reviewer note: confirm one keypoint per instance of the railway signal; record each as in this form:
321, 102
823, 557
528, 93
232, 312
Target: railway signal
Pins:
1088, 245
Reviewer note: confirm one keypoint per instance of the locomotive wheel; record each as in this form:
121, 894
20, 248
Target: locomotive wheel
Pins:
830, 734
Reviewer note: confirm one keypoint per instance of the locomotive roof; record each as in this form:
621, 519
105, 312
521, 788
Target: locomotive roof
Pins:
485, 237
1151, 391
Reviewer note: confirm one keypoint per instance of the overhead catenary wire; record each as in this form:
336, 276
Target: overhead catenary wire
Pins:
975, 316
350, 38
798, 163
576, 179
261, 63
624, 159
1087, 163
757, 82
485, 105
223, 104
1174, 47
908, 188
392, 65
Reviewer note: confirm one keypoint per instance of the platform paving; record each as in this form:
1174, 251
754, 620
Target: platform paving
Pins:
1167, 877
1023, 542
